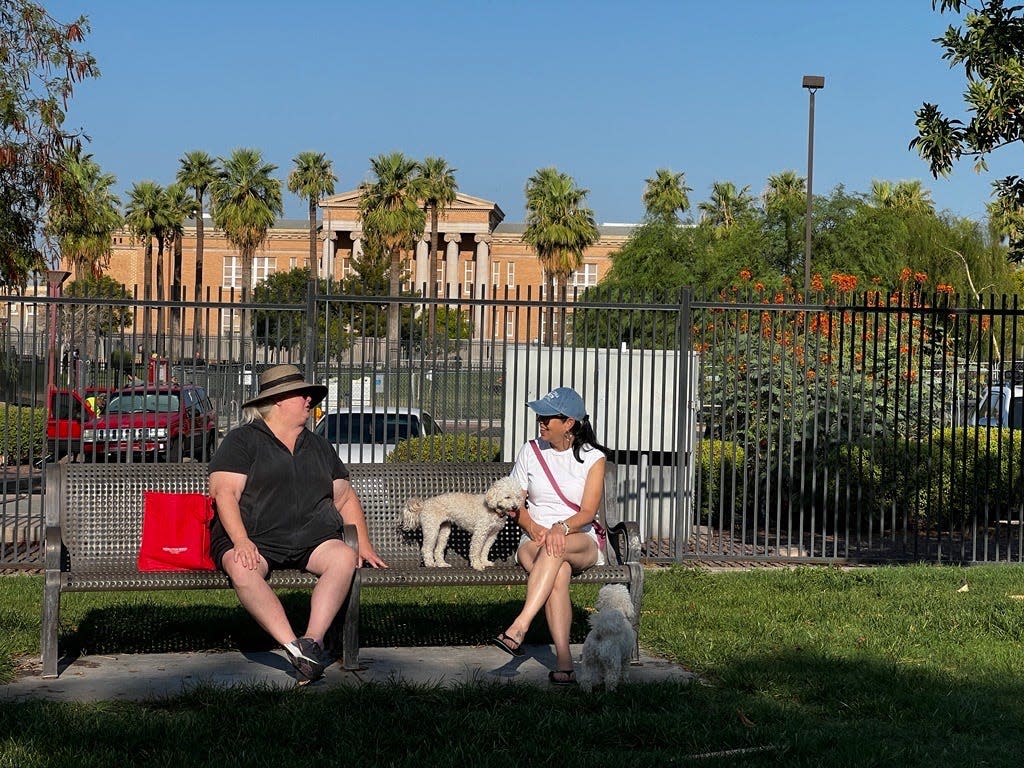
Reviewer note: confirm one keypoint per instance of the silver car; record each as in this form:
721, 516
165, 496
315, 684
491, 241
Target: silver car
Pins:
369, 436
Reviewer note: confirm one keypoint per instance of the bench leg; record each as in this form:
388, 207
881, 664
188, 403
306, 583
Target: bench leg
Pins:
636, 594
350, 628
51, 616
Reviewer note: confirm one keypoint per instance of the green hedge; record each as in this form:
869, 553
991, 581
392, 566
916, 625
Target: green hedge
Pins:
446, 448
976, 476
22, 433
720, 462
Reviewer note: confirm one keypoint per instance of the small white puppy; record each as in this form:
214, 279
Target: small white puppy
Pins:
482, 515
609, 644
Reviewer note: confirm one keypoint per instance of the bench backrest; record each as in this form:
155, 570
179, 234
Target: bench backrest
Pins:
99, 507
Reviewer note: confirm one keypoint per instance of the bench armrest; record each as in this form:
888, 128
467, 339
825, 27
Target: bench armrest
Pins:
624, 539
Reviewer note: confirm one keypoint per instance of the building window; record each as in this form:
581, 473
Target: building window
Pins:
346, 268
231, 321
262, 268
510, 275
510, 326
293, 262
584, 277
468, 271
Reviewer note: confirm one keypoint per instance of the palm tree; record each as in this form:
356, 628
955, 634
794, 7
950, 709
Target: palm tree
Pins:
312, 178
785, 200
391, 215
726, 206
197, 171
144, 216
84, 215
903, 196
665, 194
438, 190
180, 206
559, 228
246, 199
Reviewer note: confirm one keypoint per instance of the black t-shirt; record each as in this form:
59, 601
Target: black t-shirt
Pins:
287, 504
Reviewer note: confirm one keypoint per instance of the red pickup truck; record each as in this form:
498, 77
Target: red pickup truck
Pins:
67, 412
148, 422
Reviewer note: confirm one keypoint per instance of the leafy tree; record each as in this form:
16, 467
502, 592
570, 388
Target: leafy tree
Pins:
197, 171
312, 178
84, 215
286, 328
990, 48
559, 227
665, 194
438, 190
246, 199
40, 65
103, 320
392, 218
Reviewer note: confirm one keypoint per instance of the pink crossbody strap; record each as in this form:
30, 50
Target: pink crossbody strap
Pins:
598, 528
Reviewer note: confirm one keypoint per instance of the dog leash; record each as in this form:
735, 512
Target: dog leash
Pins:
598, 528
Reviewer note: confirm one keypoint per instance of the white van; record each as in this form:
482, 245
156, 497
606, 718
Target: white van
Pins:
369, 436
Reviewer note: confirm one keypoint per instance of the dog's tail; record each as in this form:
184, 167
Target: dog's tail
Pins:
411, 514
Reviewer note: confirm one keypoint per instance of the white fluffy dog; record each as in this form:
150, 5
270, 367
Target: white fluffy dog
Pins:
482, 515
609, 645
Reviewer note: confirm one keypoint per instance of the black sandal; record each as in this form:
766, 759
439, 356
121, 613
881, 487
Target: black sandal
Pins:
508, 644
562, 677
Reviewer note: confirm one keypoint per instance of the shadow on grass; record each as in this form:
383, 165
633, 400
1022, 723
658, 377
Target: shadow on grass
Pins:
790, 708
135, 627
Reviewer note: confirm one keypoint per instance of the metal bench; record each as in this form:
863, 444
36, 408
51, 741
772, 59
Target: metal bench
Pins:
94, 524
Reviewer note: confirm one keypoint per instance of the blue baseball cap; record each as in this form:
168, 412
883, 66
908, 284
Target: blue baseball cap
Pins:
563, 401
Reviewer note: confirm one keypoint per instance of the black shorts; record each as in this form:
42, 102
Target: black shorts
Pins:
297, 561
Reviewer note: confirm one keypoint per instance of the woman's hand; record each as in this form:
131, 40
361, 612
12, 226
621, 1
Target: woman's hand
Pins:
554, 540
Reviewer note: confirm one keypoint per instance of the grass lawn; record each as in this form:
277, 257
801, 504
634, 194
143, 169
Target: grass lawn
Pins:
809, 667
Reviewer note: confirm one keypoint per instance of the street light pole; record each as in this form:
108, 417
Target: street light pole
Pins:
812, 83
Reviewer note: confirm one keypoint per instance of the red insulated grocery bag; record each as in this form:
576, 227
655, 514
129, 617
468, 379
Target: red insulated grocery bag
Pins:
176, 532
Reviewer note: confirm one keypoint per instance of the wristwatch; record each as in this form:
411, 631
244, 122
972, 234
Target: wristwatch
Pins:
564, 525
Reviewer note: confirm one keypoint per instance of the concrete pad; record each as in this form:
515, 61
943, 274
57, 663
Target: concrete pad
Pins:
139, 677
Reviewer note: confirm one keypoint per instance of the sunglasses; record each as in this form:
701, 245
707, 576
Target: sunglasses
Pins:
545, 419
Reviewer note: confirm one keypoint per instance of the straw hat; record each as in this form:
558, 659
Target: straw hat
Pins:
285, 380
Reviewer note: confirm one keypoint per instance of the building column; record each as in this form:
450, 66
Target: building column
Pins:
482, 279
422, 279
451, 263
357, 244
326, 270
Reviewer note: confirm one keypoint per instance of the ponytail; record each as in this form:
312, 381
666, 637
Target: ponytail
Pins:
583, 434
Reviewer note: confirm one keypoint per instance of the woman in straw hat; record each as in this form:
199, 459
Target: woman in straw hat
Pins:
281, 495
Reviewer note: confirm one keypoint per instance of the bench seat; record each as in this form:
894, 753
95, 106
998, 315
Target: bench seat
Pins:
94, 526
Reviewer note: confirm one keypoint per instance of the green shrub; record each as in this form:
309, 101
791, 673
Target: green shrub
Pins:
22, 433
720, 462
446, 448
975, 476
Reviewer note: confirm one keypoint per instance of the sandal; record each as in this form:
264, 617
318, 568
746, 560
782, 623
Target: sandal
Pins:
562, 677
508, 644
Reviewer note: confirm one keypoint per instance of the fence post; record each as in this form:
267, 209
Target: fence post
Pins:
685, 443
311, 329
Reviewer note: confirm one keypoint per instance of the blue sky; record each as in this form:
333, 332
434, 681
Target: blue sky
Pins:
605, 91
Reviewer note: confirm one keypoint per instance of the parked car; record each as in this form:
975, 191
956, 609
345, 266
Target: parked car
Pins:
153, 422
1001, 406
67, 414
369, 436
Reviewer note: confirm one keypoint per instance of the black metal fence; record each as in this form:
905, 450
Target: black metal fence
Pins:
742, 430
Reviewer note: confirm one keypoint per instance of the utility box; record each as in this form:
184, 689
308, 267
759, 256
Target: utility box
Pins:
643, 406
